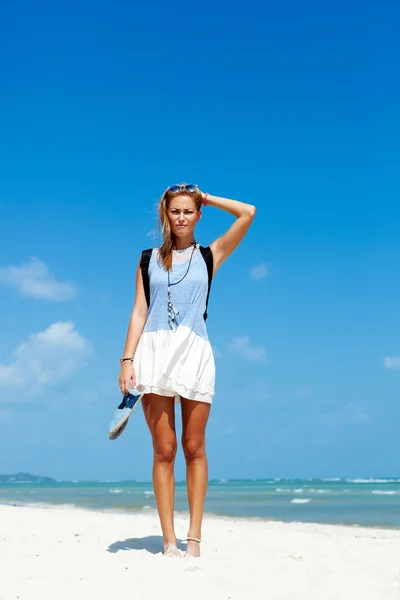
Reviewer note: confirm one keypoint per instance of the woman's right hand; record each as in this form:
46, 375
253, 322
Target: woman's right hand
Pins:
127, 377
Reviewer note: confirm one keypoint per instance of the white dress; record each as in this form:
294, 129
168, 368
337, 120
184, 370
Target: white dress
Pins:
176, 362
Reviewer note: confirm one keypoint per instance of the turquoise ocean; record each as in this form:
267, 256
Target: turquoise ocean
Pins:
371, 502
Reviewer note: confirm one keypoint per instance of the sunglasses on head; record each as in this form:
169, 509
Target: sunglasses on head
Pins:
189, 187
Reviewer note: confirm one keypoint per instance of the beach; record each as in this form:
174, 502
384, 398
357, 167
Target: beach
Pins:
67, 552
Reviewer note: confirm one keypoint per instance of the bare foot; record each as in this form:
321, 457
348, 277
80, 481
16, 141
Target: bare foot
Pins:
193, 549
171, 550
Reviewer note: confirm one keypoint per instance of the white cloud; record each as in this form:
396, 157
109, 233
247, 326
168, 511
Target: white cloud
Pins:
352, 413
259, 272
45, 359
358, 416
34, 279
392, 362
241, 345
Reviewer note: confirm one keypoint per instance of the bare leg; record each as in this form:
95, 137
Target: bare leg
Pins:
159, 413
194, 420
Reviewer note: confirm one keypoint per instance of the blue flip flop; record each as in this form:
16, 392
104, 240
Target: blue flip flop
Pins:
122, 414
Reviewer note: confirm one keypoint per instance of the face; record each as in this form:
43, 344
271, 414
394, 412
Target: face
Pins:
182, 215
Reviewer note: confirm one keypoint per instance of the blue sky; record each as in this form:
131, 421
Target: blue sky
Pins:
290, 107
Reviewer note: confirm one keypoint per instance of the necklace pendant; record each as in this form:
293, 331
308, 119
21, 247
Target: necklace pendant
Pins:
172, 307
171, 313
172, 322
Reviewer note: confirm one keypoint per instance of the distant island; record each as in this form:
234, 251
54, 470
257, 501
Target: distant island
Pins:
25, 478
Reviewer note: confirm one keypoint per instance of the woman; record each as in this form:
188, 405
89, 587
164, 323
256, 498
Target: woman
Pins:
167, 354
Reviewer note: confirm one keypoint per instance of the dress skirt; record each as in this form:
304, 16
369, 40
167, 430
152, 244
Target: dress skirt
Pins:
175, 363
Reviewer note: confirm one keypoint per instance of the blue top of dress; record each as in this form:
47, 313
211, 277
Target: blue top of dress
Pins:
189, 296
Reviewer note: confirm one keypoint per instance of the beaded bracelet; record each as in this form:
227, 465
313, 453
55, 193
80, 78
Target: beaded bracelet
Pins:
121, 360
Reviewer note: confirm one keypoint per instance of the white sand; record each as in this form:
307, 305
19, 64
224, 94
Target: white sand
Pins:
68, 553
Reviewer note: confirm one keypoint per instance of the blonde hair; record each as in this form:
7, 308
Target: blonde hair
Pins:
165, 250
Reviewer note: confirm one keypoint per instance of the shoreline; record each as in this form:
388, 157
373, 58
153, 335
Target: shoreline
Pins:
152, 512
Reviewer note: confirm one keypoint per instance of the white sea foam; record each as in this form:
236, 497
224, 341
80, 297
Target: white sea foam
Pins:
386, 492
115, 491
372, 480
148, 493
300, 500
298, 490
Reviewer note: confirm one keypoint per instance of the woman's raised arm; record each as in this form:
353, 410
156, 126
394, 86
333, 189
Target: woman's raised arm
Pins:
223, 246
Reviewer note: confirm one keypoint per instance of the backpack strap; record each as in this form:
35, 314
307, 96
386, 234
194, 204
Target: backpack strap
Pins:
144, 267
209, 260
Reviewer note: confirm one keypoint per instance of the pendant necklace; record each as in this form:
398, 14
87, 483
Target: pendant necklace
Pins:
172, 311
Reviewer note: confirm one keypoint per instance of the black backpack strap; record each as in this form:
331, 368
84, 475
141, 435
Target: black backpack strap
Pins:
144, 266
209, 260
